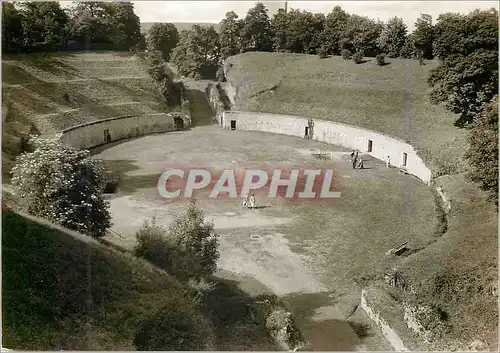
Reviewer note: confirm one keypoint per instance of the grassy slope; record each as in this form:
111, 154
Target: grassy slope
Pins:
99, 86
394, 99
62, 291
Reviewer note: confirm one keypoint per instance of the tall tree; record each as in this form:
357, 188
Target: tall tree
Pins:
229, 35
163, 37
393, 37
360, 34
335, 24
125, 25
91, 24
304, 31
256, 33
44, 22
12, 28
483, 151
279, 26
198, 53
465, 83
408, 51
423, 36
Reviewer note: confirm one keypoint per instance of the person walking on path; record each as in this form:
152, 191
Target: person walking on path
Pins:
388, 162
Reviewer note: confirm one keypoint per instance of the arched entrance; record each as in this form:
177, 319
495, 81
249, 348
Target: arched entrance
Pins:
179, 123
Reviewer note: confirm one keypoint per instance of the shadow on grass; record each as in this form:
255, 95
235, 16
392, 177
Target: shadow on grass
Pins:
258, 207
236, 326
128, 184
201, 111
362, 330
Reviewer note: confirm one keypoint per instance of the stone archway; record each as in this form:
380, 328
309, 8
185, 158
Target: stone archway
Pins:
178, 123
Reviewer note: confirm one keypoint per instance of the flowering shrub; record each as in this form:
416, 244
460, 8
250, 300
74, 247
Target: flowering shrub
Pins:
63, 185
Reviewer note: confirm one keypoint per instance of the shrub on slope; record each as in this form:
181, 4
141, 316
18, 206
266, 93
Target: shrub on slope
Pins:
61, 292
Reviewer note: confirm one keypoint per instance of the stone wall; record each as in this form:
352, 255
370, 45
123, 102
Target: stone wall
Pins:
391, 335
100, 132
347, 136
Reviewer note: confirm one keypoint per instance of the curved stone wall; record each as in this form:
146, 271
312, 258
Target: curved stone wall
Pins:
369, 142
100, 132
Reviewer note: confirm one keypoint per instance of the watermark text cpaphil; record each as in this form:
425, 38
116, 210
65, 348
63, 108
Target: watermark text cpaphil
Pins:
296, 183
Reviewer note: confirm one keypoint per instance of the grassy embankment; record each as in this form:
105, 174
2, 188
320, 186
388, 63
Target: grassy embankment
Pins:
458, 273
65, 291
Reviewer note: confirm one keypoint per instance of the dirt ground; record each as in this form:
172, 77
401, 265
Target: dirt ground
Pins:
317, 257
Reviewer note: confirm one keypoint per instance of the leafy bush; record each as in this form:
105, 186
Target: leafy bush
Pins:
380, 59
157, 68
152, 244
62, 185
346, 54
357, 57
188, 250
322, 52
177, 327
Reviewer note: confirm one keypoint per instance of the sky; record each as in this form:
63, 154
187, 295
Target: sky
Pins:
214, 11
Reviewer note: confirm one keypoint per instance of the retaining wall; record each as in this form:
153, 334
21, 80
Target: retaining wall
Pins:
347, 136
94, 134
391, 335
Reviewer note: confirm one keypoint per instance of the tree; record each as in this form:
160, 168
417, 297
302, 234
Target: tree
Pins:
63, 185
457, 34
393, 37
188, 250
196, 244
90, 24
303, 31
124, 24
197, 54
256, 33
163, 37
465, 83
360, 35
12, 28
408, 51
44, 22
483, 151
423, 36
335, 24
279, 25
229, 35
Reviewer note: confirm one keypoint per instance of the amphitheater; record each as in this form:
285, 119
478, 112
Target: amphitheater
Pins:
328, 263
